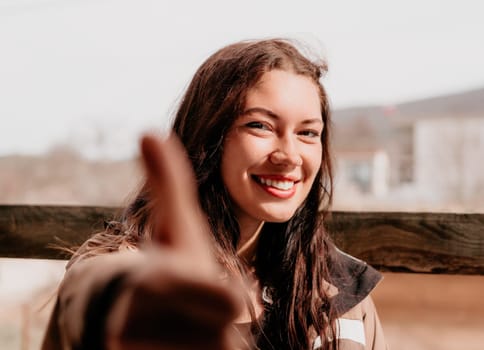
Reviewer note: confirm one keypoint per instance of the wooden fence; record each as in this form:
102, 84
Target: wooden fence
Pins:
390, 241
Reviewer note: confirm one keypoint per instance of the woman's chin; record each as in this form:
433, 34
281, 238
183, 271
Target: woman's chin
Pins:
278, 217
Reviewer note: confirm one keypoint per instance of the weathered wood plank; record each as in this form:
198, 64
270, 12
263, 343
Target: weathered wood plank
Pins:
408, 242
413, 242
30, 231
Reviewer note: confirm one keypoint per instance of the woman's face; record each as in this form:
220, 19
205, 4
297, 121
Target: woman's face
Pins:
273, 151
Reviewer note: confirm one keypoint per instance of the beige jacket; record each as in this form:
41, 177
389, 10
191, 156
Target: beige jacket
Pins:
86, 292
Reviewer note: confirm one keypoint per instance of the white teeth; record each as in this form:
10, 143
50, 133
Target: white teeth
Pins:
280, 185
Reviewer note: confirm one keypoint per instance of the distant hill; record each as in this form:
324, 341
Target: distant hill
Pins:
367, 127
463, 103
63, 177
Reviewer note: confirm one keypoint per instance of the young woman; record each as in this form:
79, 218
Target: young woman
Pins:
246, 210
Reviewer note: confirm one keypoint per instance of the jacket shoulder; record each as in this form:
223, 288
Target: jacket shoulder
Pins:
353, 278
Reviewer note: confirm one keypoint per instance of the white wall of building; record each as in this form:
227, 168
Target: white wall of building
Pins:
449, 158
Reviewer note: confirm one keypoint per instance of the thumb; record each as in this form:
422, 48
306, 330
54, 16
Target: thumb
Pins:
179, 220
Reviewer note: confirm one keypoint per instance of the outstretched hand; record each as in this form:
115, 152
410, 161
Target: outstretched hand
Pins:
177, 299
180, 224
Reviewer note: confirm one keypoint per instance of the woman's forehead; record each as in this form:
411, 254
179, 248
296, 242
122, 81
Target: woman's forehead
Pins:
282, 91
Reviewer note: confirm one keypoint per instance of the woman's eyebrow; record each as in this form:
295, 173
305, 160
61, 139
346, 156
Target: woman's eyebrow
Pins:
261, 110
273, 115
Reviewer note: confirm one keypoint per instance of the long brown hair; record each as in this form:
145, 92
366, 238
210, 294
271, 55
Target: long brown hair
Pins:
292, 258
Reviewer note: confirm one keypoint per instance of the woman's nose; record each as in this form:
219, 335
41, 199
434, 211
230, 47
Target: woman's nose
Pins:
286, 155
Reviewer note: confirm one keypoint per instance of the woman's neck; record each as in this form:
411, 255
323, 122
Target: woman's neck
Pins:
249, 238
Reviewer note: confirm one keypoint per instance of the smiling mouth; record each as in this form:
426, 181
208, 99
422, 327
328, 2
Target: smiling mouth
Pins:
280, 184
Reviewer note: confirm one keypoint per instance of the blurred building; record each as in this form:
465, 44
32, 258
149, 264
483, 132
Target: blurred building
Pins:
427, 154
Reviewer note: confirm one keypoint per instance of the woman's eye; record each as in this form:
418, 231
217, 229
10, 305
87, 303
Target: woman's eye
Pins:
310, 133
257, 125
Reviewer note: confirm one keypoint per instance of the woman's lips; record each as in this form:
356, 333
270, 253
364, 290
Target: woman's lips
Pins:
277, 185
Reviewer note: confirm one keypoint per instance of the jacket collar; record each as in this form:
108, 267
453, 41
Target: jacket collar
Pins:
352, 281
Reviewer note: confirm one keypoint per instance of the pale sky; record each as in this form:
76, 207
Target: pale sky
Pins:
75, 69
